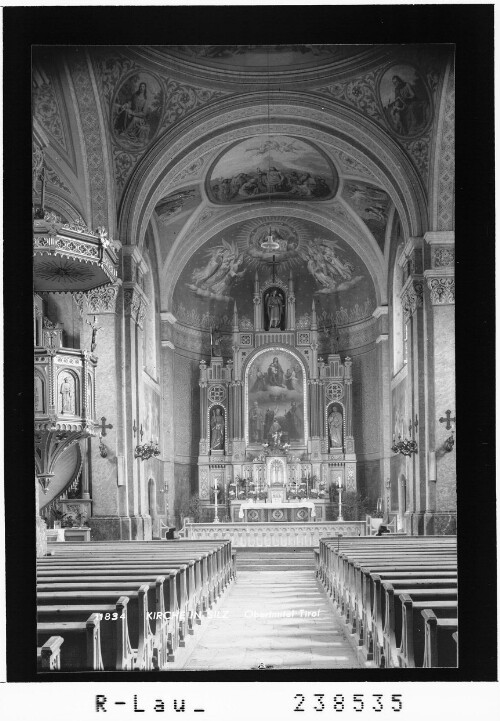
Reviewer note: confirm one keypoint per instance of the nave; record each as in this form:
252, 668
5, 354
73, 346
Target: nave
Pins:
276, 616
355, 601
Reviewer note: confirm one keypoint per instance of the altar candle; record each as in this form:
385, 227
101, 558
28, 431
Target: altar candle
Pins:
339, 482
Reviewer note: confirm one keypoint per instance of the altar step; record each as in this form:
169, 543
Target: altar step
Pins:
268, 559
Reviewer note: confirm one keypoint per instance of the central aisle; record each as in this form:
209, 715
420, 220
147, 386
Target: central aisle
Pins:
275, 614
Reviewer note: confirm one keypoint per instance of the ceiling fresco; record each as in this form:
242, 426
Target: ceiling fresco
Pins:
280, 166
136, 110
372, 206
265, 56
172, 213
324, 267
406, 100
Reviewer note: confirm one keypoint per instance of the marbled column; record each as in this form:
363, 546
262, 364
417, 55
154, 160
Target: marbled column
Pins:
168, 420
412, 302
384, 386
440, 278
107, 476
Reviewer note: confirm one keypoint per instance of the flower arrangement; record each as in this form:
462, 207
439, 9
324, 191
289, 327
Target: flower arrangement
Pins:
262, 495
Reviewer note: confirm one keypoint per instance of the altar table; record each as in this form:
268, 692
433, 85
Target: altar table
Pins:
272, 512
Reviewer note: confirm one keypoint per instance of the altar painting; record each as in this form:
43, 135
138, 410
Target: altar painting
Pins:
275, 392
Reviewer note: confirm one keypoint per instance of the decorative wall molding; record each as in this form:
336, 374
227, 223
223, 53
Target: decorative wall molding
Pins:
135, 303
380, 310
91, 130
442, 248
412, 296
441, 285
99, 300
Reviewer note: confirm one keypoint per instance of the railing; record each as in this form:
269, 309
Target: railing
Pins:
268, 535
276, 337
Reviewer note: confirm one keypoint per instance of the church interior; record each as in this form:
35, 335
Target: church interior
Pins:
244, 364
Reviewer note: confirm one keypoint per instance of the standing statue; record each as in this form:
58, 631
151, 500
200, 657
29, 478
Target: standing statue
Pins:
66, 391
274, 308
335, 428
216, 342
217, 430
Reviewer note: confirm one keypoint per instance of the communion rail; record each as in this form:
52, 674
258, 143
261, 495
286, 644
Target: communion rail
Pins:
263, 535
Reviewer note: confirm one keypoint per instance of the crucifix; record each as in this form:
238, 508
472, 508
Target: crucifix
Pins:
95, 329
447, 420
104, 426
273, 263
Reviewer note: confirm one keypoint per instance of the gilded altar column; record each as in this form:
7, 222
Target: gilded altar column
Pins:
204, 439
441, 483
257, 310
291, 304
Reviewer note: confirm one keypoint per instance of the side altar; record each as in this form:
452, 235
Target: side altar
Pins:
276, 420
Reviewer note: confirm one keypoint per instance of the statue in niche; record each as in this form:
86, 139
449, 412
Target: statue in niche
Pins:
275, 305
217, 430
216, 342
335, 428
67, 396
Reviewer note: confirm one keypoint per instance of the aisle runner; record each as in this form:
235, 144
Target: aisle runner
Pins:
273, 618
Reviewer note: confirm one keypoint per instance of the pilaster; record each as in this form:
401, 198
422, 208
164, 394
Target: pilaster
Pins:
440, 278
412, 301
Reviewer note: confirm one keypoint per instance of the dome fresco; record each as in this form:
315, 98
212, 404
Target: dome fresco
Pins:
223, 271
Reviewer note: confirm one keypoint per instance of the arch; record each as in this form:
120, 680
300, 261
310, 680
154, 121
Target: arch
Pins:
207, 131
190, 240
39, 393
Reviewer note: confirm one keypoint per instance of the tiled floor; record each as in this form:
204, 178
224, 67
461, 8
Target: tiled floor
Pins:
279, 618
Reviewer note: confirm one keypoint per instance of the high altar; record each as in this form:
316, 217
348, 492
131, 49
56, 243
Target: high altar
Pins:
276, 420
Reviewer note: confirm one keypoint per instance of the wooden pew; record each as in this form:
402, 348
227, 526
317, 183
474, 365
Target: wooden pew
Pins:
180, 603
440, 648
345, 567
116, 651
206, 587
81, 649
197, 574
411, 652
167, 630
144, 634
374, 601
49, 655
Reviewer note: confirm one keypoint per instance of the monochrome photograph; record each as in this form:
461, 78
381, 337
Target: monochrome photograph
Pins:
246, 361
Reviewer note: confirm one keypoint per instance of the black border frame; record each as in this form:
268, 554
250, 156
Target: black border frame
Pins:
470, 28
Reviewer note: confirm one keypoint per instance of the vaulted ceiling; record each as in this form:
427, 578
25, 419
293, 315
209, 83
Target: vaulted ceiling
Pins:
206, 147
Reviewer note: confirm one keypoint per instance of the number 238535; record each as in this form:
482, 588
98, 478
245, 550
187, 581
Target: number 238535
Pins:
342, 702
